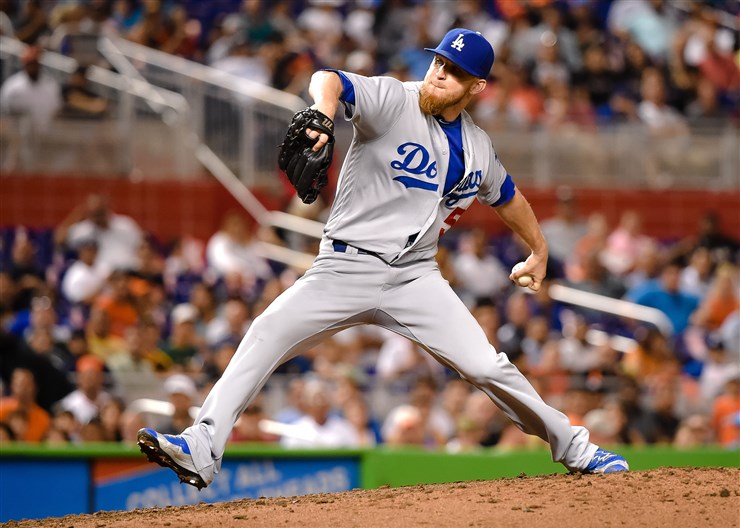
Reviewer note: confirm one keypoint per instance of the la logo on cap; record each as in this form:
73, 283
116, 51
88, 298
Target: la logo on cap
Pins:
458, 44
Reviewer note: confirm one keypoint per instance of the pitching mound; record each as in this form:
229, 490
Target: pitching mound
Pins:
670, 497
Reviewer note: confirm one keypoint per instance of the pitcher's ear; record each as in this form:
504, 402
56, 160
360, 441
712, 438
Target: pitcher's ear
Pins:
477, 87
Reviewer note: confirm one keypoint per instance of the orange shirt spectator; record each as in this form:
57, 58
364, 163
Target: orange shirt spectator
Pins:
726, 415
23, 400
118, 303
720, 300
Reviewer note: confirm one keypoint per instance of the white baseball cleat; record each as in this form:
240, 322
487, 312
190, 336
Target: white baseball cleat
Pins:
172, 452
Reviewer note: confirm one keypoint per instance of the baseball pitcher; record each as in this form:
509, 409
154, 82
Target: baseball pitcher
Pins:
416, 163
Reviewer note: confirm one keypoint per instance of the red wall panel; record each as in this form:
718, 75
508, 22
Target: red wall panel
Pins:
171, 208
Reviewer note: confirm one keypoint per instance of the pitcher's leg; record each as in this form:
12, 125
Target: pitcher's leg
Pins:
429, 312
315, 307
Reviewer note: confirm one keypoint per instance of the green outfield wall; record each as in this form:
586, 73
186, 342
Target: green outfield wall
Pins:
115, 477
407, 467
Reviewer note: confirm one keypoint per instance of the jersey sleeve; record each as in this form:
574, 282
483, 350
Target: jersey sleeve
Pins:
372, 104
497, 187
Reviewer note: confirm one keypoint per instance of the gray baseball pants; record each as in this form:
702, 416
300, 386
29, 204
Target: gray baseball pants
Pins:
414, 300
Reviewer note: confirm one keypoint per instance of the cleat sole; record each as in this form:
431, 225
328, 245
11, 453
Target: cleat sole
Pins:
150, 447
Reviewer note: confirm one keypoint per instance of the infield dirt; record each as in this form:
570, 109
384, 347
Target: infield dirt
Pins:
668, 497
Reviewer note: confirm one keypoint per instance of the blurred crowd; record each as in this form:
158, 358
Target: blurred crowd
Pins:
105, 329
578, 63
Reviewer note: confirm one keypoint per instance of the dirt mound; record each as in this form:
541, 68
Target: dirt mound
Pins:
671, 497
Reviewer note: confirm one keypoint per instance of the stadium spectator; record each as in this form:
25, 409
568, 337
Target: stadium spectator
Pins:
244, 61
294, 405
575, 353
84, 279
694, 432
229, 326
118, 236
356, 412
645, 275
135, 357
480, 274
32, 23
720, 301
486, 313
668, 298
118, 301
22, 399
126, 15
182, 394
592, 242
514, 330
652, 356
696, 277
726, 414
80, 102
6, 23
232, 254
86, 402
705, 110
102, 343
624, 244
565, 228
721, 365
24, 268
662, 120
111, 414
437, 426
31, 92
404, 427
247, 429
318, 427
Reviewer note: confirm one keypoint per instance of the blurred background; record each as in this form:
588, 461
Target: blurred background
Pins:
144, 222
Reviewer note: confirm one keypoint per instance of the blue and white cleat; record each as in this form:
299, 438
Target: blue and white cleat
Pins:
607, 462
171, 452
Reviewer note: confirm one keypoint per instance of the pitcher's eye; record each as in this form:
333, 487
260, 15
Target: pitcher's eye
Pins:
438, 61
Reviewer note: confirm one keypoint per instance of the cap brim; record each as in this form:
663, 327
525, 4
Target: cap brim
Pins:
447, 55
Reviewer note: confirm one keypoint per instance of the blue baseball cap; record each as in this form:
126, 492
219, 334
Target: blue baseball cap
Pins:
467, 49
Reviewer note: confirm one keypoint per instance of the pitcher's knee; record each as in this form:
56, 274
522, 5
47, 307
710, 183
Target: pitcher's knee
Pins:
492, 368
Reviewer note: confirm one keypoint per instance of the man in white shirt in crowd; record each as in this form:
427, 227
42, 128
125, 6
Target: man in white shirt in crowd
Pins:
318, 427
84, 279
31, 92
118, 236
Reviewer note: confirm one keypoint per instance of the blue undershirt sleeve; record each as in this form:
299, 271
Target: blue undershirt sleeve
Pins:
507, 191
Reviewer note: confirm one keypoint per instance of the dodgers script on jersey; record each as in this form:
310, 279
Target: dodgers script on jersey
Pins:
390, 197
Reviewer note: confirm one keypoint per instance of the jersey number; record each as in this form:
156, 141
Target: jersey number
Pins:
451, 220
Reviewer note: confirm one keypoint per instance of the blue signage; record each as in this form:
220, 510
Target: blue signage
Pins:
34, 489
237, 480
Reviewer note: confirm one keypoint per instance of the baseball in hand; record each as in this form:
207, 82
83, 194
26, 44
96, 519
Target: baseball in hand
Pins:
524, 280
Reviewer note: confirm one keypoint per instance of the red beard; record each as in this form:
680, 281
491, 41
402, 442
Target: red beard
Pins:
434, 104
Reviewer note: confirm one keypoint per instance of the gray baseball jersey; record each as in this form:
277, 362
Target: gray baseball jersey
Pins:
390, 197
376, 266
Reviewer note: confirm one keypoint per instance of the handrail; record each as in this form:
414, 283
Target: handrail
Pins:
155, 94
206, 74
139, 88
602, 303
617, 342
215, 165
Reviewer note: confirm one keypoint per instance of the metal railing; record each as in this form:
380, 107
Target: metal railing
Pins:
242, 121
622, 156
254, 99
126, 140
618, 307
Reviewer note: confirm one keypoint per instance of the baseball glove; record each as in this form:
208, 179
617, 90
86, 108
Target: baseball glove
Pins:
306, 169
